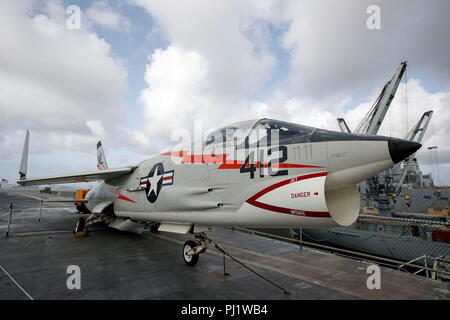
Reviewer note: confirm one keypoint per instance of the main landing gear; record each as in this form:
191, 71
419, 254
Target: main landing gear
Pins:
192, 249
80, 228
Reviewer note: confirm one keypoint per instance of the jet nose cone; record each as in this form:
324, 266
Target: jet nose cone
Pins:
400, 149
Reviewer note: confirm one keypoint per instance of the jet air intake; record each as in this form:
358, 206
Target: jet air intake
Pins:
343, 204
301, 200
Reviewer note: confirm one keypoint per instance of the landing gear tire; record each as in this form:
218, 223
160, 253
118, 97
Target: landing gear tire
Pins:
193, 259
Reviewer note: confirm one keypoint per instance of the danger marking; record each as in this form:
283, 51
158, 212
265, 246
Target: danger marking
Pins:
300, 195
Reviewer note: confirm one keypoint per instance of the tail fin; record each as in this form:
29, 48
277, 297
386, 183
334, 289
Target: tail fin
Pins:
24, 160
101, 160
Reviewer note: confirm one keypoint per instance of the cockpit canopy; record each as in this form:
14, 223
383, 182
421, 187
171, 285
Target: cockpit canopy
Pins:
259, 132
264, 131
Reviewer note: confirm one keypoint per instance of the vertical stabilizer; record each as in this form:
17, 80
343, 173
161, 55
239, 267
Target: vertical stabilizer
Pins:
101, 160
24, 161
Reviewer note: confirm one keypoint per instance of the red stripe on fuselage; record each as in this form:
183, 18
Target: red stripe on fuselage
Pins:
225, 163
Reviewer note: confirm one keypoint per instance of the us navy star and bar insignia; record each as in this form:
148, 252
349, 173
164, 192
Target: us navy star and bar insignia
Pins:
155, 180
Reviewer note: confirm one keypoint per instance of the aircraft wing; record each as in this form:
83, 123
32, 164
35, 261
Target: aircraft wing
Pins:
33, 196
77, 177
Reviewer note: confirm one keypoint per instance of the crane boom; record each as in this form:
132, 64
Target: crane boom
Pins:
343, 125
415, 135
418, 131
373, 119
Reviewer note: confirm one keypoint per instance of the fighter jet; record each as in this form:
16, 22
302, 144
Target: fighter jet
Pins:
259, 174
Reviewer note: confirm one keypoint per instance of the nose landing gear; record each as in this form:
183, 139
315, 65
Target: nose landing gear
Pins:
192, 249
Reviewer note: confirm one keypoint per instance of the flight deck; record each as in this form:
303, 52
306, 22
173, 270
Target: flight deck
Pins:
36, 255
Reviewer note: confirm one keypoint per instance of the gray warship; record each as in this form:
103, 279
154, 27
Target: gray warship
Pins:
403, 214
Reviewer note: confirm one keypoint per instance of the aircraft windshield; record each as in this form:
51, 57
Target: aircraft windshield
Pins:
234, 132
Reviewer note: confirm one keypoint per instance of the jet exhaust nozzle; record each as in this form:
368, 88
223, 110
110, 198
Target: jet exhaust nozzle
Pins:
400, 149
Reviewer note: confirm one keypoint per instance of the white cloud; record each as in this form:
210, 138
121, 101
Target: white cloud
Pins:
179, 94
102, 14
51, 78
238, 66
334, 53
96, 128
178, 90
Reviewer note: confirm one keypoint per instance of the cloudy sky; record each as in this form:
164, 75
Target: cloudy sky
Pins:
131, 72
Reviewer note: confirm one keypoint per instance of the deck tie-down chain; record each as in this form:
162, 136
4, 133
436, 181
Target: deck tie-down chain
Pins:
215, 245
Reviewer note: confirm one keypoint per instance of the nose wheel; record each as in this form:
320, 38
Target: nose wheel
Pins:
189, 257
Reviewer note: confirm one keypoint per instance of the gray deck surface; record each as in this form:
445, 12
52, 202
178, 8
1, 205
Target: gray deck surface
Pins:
117, 265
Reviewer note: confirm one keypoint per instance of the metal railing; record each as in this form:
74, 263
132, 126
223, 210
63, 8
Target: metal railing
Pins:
433, 265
